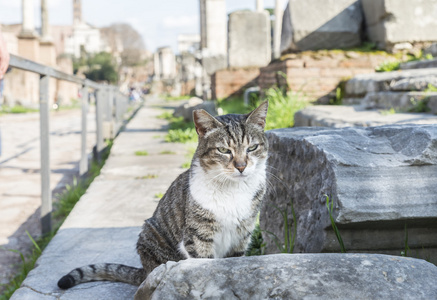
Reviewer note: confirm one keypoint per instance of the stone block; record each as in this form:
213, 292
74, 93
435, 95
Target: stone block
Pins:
386, 81
380, 179
389, 22
249, 39
400, 101
186, 110
432, 49
294, 277
315, 24
420, 64
356, 115
230, 82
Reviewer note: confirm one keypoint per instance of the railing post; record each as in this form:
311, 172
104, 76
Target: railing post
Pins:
100, 101
83, 165
46, 194
110, 112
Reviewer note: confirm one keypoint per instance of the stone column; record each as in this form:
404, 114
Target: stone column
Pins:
213, 26
77, 12
28, 26
277, 29
156, 66
214, 40
259, 5
45, 27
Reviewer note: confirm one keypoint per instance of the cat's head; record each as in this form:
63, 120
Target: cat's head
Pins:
232, 145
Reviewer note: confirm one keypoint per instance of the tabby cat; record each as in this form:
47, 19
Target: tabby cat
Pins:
209, 211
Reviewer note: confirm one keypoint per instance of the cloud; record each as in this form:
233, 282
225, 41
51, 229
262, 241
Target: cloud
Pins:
171, 22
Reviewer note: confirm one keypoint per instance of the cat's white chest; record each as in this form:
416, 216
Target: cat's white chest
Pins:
230, 205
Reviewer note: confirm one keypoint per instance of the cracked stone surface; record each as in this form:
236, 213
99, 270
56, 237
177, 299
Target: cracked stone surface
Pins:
380, 179
104, 225
294, 277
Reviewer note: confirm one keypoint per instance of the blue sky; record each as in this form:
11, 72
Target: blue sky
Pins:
158, 21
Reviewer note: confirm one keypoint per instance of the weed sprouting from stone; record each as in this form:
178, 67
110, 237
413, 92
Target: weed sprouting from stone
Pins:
330, 206
287, 246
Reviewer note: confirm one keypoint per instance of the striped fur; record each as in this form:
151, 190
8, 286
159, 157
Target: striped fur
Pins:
209, 211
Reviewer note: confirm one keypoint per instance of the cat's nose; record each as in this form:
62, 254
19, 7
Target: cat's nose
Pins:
240, 167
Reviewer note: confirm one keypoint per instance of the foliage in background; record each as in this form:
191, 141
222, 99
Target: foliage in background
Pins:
282, 107
98, 67
330, 206
62, 208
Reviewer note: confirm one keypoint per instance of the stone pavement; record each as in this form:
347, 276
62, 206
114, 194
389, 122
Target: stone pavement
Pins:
20, 187
104, 225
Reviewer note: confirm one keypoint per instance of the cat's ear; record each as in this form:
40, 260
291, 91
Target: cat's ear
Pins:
204, 122
258, 116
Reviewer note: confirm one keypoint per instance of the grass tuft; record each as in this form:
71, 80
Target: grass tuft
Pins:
159, 195
167, 152
141, 153
148, 176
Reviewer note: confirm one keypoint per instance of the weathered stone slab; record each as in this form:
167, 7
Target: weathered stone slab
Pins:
385, 81
414, 84
249, 39
395, 21
294, 277
420, 64
399, 101
357, 115
326, 24
380, 179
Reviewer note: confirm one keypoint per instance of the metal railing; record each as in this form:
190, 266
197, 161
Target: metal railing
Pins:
111, 105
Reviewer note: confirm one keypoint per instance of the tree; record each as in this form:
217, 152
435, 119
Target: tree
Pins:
131, 42
100, 67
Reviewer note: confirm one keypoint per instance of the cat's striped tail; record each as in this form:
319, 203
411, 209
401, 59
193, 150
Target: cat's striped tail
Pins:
98, 272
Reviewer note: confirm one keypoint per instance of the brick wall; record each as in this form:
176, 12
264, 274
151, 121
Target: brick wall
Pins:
231, 82
317, 74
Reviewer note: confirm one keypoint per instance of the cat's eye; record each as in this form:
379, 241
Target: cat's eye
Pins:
252, 148
223, 150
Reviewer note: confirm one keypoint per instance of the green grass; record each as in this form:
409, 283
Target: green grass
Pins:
167, 152
148, 176
387, 112
26, 265
388, 66
141, 153
18, 109
180, 130
330, 206
159, 195
62, 207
